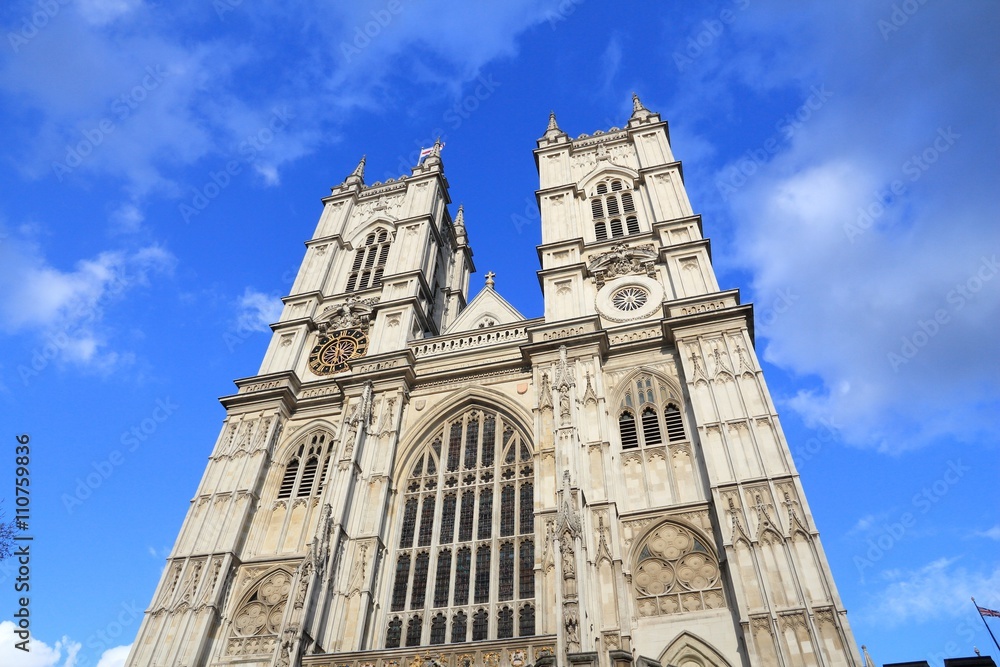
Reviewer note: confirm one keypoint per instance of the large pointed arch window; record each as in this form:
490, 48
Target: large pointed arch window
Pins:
649, 414
464, 582
369, 261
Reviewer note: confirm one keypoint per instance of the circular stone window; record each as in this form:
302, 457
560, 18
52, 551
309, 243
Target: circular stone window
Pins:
629, 298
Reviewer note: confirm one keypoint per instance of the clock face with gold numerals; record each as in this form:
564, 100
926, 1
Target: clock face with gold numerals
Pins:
334, 350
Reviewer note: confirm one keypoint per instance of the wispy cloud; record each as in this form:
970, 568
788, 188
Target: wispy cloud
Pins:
256, 311
936, 590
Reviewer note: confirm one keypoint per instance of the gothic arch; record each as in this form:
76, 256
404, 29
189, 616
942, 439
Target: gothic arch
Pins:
585, 184
690, 650
257, 619
624, 385
675, 570
291, 441
453, 404
462, 529
357, 235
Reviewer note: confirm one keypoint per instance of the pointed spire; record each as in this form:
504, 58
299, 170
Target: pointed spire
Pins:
637, 104
459, 225
359, 171
357, 177
868, 659
552, 131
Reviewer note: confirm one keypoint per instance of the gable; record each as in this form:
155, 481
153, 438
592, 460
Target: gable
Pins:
486, 310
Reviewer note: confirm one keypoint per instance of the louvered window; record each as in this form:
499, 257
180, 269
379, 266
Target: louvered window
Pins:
608, 204
300, 479
653, 423
369, 262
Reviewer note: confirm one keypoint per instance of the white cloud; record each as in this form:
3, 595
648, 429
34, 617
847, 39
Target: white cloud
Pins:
114, 657
936, 590
864, 297
99, 12
67, 307
62, 654
256, 311
991, 533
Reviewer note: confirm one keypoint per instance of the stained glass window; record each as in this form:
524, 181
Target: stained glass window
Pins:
507, 514
485, 513
459, 627
483, 574
480, 625
409, 523
527, 621
394, 633
443, 579
506, 578
526, 588
505, 623
468, 474
463, 568
419, 580
439, 626
527, 507
413, 629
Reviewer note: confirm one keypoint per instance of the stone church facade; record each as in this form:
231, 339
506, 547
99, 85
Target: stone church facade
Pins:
412, 480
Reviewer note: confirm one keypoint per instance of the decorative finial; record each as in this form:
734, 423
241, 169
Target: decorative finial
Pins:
553, 125
438, 146
637, 104
460, 216
490, 282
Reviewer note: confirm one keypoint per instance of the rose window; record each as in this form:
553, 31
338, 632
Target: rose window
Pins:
629, 299
676, 573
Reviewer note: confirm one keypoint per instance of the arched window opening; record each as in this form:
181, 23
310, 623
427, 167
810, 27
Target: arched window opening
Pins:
626, 427
601, 231
675, 424
632, 225
527, 621
658, 414
627, 205
602, 188
300, 479
462, 574
413, 629
616, 228
650, 427
369, 262
394, 633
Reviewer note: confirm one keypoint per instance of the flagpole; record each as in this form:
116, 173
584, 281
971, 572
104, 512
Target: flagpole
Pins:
986, 624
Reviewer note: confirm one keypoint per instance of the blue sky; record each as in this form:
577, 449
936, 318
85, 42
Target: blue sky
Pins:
163, 163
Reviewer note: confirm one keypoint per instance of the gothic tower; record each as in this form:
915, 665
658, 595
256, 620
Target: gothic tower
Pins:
413, 479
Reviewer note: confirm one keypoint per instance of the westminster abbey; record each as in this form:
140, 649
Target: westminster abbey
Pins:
414, 479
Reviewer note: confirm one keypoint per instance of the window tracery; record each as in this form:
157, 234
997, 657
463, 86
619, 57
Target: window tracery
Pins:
676, 572
257, 621
477, 472
657, 412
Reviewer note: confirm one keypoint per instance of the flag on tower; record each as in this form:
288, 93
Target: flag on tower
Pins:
988, 612
983, 613
424, 152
